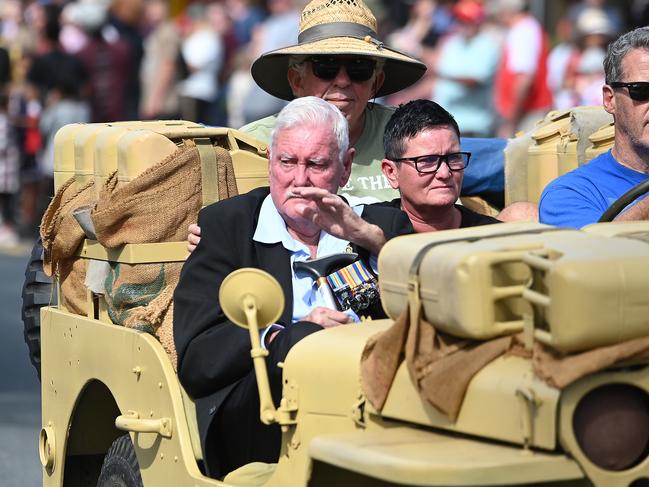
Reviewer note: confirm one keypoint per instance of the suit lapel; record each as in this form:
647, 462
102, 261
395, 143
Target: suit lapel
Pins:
275, 259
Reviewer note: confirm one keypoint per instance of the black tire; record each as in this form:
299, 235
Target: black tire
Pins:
37, 292
120, 467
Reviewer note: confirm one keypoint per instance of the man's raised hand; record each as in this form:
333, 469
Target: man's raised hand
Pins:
336, 217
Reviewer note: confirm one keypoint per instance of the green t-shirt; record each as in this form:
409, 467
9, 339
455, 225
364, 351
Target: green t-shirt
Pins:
367, 183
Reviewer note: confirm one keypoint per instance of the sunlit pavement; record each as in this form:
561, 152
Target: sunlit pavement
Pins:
19, 387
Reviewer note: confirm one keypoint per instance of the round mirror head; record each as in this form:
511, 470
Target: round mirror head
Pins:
259, 285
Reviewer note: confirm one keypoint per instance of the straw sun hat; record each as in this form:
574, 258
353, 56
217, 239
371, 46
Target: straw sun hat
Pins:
336, 27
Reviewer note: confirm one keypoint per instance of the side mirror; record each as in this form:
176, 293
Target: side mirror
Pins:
253, 299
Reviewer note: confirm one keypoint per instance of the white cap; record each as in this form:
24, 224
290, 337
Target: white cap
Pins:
594, 21
90, 15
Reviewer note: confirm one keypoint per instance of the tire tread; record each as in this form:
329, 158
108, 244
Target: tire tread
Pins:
37, 292
120, 467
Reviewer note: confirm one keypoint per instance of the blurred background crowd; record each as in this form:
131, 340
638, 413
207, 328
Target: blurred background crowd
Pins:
107, 60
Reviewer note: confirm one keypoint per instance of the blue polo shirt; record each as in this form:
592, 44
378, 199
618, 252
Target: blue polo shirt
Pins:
581, 196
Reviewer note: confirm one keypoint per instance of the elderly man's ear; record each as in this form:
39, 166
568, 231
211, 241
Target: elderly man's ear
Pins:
391, 172
347, 165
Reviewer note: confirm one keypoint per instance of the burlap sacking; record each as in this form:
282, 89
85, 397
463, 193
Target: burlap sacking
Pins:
139, 296
159, 204
61, 236
156, 206
440, 366
71, 274
562, 370
60, 232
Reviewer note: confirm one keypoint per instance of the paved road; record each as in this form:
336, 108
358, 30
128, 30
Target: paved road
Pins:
19, 388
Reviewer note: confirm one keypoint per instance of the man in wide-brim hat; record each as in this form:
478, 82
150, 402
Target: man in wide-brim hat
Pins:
339, 58
333, 34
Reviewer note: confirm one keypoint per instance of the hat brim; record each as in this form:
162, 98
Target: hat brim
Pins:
270, 70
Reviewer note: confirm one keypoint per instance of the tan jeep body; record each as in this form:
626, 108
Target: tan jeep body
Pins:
573, 291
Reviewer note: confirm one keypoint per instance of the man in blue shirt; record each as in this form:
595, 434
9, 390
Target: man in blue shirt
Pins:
581, 196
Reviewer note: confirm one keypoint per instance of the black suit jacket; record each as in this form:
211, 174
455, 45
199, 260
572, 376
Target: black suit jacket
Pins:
214, 353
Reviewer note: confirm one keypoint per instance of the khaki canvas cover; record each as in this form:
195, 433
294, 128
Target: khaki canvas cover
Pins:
583, 290
156, 206
61, 235
462, 298
578, 123
600, 141
465, 292
145, 183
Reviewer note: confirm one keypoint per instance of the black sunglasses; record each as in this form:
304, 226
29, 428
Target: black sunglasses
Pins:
456, 161
638, 91
358, 69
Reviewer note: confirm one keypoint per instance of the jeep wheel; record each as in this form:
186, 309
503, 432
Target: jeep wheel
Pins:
37, 292
120, 468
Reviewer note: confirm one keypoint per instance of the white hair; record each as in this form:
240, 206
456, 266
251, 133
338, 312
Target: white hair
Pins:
314, 112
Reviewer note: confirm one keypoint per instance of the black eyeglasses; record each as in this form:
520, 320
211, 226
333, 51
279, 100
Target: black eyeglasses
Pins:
358, 69
638, 91
456, 161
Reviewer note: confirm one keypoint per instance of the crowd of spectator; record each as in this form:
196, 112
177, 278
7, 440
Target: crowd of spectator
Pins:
490, 63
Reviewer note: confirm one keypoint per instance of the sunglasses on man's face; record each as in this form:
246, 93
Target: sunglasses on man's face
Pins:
638, 91
358, 69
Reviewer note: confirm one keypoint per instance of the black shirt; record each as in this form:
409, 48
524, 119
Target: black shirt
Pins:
469, 218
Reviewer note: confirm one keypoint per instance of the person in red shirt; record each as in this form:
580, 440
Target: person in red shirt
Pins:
521, 92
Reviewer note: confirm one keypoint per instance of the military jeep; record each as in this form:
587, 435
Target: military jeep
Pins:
564, 403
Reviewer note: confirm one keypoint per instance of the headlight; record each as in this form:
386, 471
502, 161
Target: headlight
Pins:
611, 426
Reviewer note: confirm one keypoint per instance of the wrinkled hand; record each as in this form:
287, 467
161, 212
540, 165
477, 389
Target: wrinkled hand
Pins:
337, 218
331, 213
327, 317
193, 237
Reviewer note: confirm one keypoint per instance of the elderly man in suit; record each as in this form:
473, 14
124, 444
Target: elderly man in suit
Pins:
268, 228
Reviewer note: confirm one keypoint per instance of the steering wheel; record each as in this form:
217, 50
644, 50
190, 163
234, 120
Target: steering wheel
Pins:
622, 202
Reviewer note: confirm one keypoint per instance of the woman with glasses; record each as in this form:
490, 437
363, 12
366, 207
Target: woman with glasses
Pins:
425, 163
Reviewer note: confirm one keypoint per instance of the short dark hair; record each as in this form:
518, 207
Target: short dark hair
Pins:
411, 119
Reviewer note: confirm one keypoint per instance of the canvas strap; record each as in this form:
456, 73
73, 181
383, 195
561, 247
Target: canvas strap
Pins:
209, 170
